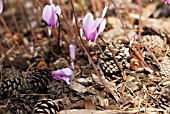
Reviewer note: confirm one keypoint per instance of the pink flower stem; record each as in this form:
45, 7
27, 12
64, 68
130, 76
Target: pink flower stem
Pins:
64, 17
5, 25
8, 30
6, 56
58, 40
101, 51
26, 18
139, 32
128, 14
117, 11
36, 15
14, 19
75, 18
82, 44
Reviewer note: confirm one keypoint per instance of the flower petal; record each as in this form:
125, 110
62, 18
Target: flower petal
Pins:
66, 79
93, 36
47, 12
1, 6
58, 74
104, 11
67, 71
88, 23
65, 74
102, 26
53, 19
72, 50
58, 10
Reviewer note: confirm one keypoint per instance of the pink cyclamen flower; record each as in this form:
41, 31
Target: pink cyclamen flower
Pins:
65, 74
1, 6
50, 13
72, 50
167, 1
92, 28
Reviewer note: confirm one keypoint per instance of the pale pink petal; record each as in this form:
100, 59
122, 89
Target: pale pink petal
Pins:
72, 50
47, 12
93, 36
65, 74
104, 11
88, 23
58, 10
102, 26
1, 6
67, 71
58, 74
53, 19
66, 79
96, 24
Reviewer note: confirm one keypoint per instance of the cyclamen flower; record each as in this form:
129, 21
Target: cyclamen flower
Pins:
1, 6
92, 28
65, 74
50, 13
72, 50
167, 1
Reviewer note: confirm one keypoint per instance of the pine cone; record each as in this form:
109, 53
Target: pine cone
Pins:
107, 62
19, 105
46, 107
9, 73
58, 89
153, 41
40, 79
10, 86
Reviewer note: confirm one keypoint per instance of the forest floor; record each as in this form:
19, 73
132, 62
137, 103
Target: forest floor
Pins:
28, 55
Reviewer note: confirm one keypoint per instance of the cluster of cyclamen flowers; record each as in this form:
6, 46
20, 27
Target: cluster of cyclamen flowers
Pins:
91, 28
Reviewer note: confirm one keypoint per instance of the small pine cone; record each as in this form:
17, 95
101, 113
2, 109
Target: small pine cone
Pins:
19, 105
10, 86
9, 73
153, 41
46, 107
58, 89
40, 79
20, 64
107, 62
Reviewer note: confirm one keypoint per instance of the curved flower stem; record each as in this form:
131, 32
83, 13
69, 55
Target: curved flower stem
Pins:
114, 57
81, 42
14, 18
117, 11
76, 20
5, 25
27, 19
139, 32
6, 56
8, 30
58, 40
